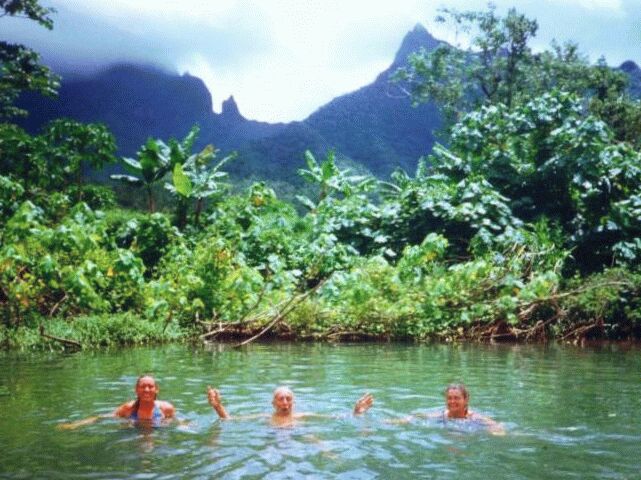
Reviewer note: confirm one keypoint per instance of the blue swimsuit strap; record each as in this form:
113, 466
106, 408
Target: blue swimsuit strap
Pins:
156, 414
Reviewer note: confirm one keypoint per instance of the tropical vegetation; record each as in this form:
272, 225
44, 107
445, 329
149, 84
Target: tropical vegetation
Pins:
525, 224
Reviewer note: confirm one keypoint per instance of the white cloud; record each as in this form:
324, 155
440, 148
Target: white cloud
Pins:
610, 5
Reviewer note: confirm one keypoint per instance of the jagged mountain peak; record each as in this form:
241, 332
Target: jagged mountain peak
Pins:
230, 109
415, 39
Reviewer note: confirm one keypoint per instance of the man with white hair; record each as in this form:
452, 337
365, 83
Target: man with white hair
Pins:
283, 402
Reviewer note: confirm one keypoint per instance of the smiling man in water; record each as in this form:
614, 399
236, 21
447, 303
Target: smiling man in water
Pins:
283, 403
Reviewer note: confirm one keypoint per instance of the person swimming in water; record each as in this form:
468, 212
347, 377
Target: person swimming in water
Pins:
145, 409
283, 403
457, 408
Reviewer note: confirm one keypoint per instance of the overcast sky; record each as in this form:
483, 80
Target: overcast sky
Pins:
282, 59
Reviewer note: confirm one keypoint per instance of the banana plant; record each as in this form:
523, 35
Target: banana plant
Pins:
331, 179
155, 160
196, 179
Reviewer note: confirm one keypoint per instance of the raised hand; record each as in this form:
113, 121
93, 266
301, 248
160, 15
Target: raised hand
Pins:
214, 397
215, 400
363, 404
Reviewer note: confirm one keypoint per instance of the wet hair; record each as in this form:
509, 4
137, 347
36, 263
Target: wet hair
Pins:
460, 387
283, 388
137, 402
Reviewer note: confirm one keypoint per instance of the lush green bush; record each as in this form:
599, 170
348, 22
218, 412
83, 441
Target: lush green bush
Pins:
68, 268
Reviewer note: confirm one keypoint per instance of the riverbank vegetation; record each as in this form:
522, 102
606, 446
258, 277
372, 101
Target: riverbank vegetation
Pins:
525, 224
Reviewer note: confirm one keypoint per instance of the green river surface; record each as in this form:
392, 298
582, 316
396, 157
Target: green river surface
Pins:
568, 412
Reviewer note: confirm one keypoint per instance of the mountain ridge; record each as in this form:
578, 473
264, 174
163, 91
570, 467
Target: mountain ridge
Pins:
374, 126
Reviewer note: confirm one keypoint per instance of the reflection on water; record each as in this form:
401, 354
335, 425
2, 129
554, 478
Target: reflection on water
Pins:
568, 412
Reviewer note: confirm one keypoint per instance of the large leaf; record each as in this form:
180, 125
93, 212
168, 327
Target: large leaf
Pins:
306, 201
133, 164
182, 184
312, 164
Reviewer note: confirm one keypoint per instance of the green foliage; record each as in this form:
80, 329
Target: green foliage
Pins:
266, 228
72, 145
55, 158
92, 331
206, 279
607, 303
423, 296
494, 69
623, 116
498, 66
147, 236
457, 206
509, 231
97, 197
20, 67
65, 269
154, 161
194, 178
331, 180
11, 193
541, 159
344, 212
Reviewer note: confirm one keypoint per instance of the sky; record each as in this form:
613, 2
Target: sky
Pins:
283, 59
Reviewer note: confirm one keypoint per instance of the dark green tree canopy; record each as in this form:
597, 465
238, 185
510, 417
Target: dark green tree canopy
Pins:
20, 67
497, 65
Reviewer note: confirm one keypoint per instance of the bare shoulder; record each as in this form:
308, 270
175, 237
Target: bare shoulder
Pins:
168, 410
125, 409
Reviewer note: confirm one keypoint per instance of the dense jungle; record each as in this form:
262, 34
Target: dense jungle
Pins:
522, 224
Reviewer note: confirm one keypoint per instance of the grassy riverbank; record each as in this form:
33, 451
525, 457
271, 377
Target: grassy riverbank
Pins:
89, 332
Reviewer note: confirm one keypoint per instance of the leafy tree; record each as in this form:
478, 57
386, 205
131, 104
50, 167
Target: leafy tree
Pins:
493, 69
11, 193
56, 157
20, 67
457, 208
498, 66
547, 160
623, 116
75, 146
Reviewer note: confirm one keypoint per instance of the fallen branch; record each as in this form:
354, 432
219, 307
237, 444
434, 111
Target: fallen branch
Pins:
583, 329
289, 306
255, 306
55, 307
64, 341
557, 296
221, 329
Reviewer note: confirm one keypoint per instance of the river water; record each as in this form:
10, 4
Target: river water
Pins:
568, 413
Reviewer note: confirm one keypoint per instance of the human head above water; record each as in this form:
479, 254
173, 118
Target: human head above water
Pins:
460, 387
283, 400
457, 398
146, 388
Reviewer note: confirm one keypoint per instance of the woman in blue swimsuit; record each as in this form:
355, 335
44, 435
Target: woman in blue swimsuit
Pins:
145, 409
456, 401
